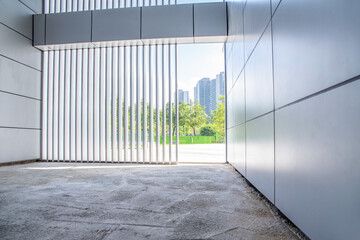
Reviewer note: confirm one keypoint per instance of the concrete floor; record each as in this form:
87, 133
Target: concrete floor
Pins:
98, 201
203, 153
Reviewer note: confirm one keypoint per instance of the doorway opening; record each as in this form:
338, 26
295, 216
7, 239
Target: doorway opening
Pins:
201, 100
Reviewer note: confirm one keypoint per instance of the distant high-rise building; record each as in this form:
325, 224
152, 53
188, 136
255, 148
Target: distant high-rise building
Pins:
207, 92
183, 96
196, 93
202, 93
217, 89
221, 77
186, 97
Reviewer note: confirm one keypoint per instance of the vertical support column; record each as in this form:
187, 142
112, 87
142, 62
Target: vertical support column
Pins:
78, 148
144, 126
44, 130
90, 110
96, 105
55, 106
84, 96
132, 119
170, 105
126, 109
108, 83
72, 105
151, 113
61, 101
163, 105
103, 105
176, 106
114, 100
120, 102
67, 108
47, 79
81, 79
138, 106
157, 105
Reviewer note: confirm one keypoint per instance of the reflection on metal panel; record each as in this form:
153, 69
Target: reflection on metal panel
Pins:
103, 104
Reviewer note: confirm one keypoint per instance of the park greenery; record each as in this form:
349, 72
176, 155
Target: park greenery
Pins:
193, 121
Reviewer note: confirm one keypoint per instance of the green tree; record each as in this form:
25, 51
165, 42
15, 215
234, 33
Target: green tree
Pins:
184, 114
218, 117
207, 131
197, 116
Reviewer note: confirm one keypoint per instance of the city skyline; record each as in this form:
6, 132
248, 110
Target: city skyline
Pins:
207, 91
183, 96
198, 61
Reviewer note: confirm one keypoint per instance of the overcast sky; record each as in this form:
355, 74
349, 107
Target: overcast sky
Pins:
196, 61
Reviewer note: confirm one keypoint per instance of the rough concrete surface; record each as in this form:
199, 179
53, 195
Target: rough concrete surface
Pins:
108, 201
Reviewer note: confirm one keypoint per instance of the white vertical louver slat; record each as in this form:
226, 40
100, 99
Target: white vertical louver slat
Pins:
67, 105
44, 122
102, 107
72, 138
90, 94
113, 110
163, 130
78, 97
120, 104
84, 94
90, 107
61, 102
126, 103
96, 105
55, 106
49, 105
108, 103
132, 119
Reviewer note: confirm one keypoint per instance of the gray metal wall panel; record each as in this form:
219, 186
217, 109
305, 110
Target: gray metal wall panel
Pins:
229, 44
238, 57
260, 154
167, 21
316, 157
19, 111
17, 16
19, 48
230, 145
274, 5
230, 103
256, 17
317, 163
72, 27
210, 19
35, 5
235, 18
18, 76
229, 76
19, 79
236, 30
239, 148
39, 29
239, 100
259, 78
322, 39
116, 24
19, 144
229, 116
